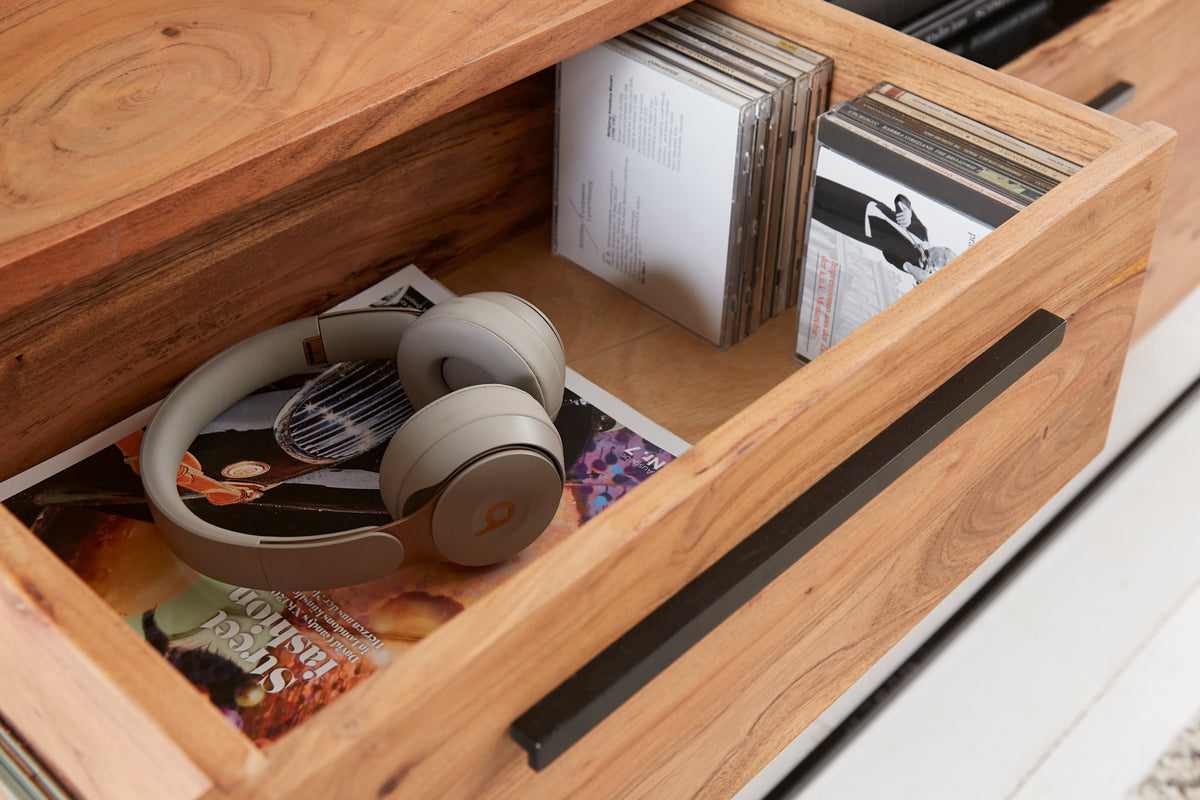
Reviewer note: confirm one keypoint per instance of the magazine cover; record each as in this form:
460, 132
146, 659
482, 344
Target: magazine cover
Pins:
296, 457
871, 239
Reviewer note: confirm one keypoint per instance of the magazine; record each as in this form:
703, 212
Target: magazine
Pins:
271, 659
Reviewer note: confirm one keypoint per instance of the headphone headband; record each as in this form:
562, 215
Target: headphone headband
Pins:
237, 557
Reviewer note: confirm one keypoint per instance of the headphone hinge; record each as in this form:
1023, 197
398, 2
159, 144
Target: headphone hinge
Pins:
314, 351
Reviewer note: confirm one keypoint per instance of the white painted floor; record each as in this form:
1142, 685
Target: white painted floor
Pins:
1074, 679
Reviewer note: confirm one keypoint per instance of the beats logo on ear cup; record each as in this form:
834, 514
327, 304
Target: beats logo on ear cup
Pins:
472, 477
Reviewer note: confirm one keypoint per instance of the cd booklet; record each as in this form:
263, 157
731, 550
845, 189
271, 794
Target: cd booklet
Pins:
681, 149
900, 187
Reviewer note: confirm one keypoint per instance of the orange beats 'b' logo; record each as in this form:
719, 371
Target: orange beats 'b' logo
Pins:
497, 515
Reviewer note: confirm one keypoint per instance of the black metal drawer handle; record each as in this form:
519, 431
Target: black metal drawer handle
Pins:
1113, 97
578, 704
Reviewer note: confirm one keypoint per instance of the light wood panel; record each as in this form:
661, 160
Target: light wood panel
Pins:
1152, 45
437, 195
754, 684
129, 123
79, 683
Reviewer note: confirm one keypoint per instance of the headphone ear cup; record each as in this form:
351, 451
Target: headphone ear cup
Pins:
489, 337
490, 459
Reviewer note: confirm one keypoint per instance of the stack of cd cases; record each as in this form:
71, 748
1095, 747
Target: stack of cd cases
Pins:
681, 164
900, 186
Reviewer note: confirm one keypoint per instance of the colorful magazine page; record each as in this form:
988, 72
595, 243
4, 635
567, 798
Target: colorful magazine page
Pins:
296, 457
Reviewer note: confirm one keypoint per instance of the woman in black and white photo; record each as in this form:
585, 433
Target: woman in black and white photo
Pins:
895, 229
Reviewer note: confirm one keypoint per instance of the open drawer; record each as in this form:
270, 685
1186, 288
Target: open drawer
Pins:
464, 192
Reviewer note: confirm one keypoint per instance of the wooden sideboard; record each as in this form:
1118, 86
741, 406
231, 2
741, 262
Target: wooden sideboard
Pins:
175, 180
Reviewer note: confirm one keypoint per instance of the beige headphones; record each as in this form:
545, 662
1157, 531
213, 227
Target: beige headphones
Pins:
473, 477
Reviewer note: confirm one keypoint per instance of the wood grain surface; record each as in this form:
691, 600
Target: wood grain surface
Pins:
79, 683
1150, 44
281, 220
437, 195
765, 674
129, 123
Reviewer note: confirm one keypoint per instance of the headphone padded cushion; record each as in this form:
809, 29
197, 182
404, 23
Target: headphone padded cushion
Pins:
457, 428
501, 335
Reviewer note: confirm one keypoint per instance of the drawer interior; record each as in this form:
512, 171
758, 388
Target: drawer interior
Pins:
466, 195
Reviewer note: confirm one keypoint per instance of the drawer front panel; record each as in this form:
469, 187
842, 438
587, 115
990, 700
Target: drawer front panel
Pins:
756, 682
1140, 42
570, 712
1151, 45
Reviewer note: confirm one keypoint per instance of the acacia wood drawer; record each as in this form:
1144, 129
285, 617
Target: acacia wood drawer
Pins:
1149, 46
453, 172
